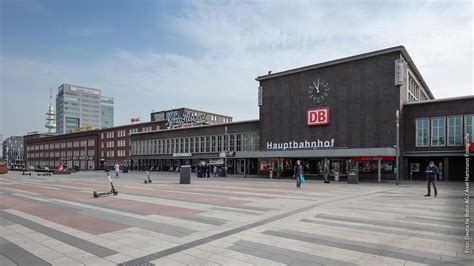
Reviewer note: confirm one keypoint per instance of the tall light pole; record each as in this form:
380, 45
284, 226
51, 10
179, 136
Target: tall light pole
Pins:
225, 153
397, 114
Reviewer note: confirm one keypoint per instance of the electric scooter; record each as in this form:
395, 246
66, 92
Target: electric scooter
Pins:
145, 180
25, 172
112, 191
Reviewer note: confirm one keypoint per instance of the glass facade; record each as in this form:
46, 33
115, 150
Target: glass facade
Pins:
415, 91
247, 141
77, 107
454, 130
469, 126
438, 131
422, 132
107, 112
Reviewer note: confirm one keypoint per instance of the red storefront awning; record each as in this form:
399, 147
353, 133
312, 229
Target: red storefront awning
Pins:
373, 158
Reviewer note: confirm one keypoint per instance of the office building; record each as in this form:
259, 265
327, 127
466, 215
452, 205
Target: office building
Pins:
107, 112
13, 151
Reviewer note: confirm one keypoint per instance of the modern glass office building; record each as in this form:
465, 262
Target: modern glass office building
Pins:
79, 106
107, 112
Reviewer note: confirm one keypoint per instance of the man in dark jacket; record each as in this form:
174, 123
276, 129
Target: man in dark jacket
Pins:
431, 172
297, 173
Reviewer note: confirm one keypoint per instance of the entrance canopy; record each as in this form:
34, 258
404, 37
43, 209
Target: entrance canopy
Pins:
323, 153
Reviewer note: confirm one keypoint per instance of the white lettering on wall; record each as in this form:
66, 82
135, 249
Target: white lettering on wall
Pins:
187, 118
291, 145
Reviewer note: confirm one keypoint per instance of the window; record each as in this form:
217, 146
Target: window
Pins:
438, 131
226, 142
197, 147
238, 142
469, 126
422, 132
213, 143
186, 146
121, 133
203, 144
91, 142
232, 142
174, 146
121, 143
76, 144
415, 91
219, 143
191, 145
110, 135
454, 130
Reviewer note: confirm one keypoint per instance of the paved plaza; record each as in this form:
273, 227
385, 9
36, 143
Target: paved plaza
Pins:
54, 220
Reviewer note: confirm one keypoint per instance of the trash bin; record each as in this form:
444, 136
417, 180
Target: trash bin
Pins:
125, 169
270, 174
185, 174
220, 172
353, 178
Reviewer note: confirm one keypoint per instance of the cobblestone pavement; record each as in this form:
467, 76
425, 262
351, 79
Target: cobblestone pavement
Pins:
226, 221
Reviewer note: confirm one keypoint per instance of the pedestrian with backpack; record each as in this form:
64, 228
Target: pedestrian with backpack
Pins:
298, 173
431, 171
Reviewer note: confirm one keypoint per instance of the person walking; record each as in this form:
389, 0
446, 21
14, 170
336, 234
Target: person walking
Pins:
214, 171
431, 172
117, 170
297, 173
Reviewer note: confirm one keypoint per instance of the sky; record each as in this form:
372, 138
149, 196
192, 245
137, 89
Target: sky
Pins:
156, 55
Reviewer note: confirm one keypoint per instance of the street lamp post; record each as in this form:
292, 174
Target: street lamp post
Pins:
225, 153
397, 114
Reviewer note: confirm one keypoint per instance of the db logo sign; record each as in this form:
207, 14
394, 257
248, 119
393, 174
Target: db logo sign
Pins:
317, 117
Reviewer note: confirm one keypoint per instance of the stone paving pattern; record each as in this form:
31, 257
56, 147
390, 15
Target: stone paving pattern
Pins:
226, 221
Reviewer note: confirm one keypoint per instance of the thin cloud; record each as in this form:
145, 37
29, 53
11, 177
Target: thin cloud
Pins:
238, 41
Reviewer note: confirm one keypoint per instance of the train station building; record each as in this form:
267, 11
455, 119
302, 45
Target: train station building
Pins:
337, 117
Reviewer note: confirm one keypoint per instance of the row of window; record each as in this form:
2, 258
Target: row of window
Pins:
123, 132
111, 144
121, 143
61, 154
120, 153
61, 145
415, 91
216, 143
444, 131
